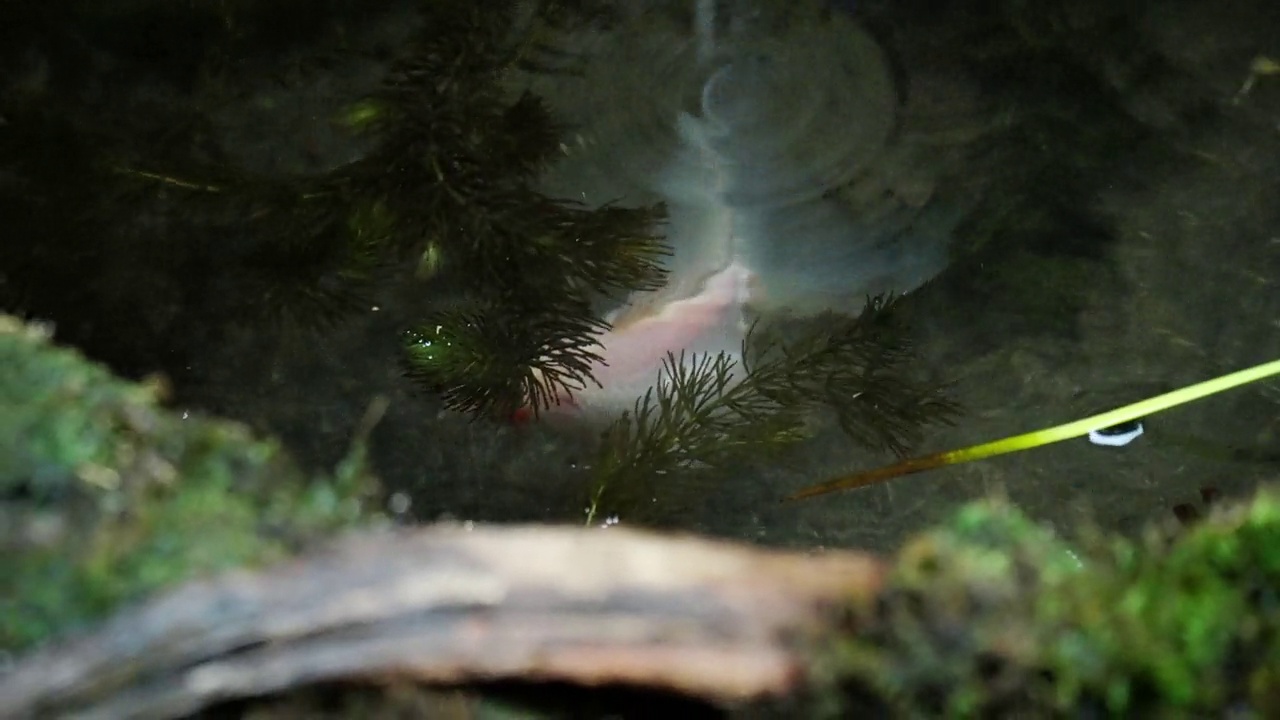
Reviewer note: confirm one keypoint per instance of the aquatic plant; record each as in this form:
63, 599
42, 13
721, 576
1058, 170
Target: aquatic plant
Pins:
710, 410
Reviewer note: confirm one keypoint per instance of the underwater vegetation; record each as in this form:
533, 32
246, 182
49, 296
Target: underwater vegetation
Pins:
716, 410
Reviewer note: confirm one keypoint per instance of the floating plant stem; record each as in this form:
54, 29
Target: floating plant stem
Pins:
1047, 436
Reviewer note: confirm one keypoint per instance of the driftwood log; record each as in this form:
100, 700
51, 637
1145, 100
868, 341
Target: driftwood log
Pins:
451, 606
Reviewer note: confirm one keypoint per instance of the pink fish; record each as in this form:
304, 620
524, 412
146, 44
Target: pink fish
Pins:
652, 326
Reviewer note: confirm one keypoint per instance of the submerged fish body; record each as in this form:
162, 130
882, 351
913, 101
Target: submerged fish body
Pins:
649, 331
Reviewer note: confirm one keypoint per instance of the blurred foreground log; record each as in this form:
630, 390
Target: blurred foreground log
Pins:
451, 606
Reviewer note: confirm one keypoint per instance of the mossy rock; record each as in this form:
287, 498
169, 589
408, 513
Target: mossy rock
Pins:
105, 495
992, 615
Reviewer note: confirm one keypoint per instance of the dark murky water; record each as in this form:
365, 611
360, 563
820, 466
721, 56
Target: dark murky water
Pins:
1105, 179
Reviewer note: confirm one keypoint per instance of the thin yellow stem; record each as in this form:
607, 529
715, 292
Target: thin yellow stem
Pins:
1047, 436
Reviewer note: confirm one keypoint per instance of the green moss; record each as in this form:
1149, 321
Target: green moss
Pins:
992, 614
109, 497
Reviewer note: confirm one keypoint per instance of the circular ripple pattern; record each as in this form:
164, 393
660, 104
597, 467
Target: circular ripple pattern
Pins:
741, 120
787, 110
791, 116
